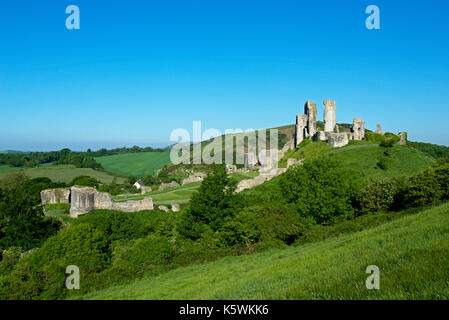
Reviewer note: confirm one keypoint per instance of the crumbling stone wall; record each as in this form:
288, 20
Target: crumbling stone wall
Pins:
86, 199
196, 177
168, 185
337, 139
52, 196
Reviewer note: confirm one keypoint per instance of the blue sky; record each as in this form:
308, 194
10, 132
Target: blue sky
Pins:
136, 70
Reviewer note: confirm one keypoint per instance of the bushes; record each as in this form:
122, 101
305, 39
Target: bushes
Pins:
384, 162
322, 189
377, 195
422, 190
41, 274
374, 137
265, 225
85, 181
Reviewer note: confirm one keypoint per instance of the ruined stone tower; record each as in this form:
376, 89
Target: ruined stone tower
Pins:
358, 129
310, 112
300, 129
330, 118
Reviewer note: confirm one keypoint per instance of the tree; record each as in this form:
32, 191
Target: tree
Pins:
212, 204
22, 222
321, 188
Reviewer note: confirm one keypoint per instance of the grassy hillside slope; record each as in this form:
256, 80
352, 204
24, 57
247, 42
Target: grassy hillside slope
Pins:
135, 164
62, 173
363, 158
411, 252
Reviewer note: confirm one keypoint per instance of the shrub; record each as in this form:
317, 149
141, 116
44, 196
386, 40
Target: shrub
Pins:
377, 194
321, 188
374, 137
384, 163
423, 189
272, 224
391, 136
387, 143
85, 181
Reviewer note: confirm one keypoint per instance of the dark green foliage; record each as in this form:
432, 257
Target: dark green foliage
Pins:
114, 225
22, 222
321, 188
384, 163
388, 143
433, 150
441, 173
422, 190
85, 181
212, 204
377, 194
374, 137
42, 272
111, 188
266, 225
391, 136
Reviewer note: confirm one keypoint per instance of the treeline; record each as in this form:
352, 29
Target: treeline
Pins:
66, 156
135, 149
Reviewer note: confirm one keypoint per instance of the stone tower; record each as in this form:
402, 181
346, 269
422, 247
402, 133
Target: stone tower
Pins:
300, 129
358, 129
310, 112
330, 117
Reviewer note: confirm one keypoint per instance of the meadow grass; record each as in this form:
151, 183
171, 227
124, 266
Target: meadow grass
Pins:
62, 173
405, 161
411, 252
135, 164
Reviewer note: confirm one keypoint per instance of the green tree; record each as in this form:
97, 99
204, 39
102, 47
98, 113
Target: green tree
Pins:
212, 204
321, 188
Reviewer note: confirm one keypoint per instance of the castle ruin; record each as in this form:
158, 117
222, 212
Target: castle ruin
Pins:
306, 126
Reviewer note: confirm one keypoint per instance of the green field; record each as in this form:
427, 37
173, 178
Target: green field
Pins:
63, 173
411, 253
363, 159
135, 164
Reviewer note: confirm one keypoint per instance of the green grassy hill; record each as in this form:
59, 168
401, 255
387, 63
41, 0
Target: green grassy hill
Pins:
135, 164
62, 173
411, 253
363, 158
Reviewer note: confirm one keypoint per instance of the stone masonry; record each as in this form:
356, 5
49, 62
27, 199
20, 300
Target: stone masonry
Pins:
86, 199
330, 117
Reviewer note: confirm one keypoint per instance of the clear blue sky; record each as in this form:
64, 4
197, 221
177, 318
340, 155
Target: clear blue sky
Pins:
136, 70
